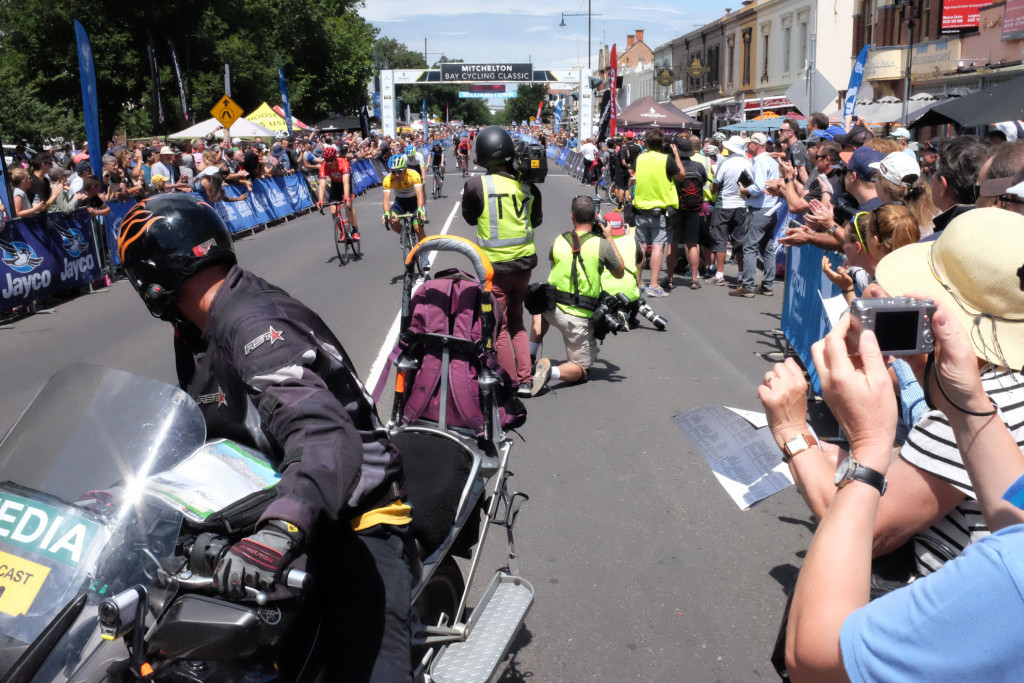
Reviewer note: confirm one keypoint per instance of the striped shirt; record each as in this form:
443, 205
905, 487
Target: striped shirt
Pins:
931, 447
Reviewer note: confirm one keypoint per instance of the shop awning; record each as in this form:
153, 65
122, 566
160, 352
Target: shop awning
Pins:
1000, 102
707, 105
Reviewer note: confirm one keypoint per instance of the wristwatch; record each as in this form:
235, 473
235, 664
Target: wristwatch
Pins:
832, 230
798, 444
851, 470
788, 180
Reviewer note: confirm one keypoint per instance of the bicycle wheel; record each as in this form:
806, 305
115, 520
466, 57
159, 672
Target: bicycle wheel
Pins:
340, 237
355, 246
437, 187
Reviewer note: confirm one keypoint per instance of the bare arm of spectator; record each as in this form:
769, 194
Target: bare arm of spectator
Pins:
917, 499
836, 575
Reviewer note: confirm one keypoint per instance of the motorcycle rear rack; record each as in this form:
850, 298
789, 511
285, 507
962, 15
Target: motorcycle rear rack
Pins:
492, 627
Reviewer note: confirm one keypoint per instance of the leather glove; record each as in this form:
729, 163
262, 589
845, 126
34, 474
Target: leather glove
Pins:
258, 560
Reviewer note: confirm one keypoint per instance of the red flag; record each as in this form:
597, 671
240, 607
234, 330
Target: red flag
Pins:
540, 108
613, 68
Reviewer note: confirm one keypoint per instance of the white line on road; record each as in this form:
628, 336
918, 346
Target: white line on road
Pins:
389, 341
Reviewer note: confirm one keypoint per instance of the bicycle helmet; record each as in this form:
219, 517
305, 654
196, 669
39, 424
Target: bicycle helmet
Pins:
330, 152
494, 146
398, 162
165, 240
410, 151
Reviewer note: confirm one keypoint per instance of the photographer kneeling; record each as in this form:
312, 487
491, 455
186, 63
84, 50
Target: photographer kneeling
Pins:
576, 259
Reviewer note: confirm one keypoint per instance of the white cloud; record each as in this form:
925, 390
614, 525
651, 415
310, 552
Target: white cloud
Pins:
453, 33
533, 29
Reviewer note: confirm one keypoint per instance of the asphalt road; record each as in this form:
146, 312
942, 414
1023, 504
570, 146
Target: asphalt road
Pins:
644, 569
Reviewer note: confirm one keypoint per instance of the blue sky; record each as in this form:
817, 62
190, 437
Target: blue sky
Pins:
528, 30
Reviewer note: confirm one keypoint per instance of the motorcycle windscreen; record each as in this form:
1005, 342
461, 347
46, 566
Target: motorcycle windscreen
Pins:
72, 515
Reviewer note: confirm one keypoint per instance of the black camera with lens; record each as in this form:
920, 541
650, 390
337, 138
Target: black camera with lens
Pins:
609, 315
530, 163
843, 211
646, 311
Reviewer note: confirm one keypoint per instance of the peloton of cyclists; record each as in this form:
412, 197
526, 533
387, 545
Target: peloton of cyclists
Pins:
336, 167
403, 193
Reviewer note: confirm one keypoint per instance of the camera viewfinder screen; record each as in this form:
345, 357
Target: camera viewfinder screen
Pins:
896, 330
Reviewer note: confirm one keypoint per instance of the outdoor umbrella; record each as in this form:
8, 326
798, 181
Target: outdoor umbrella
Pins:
1001, 102
241, 128
648, 113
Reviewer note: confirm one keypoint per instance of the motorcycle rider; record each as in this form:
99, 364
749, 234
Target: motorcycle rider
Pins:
268, 372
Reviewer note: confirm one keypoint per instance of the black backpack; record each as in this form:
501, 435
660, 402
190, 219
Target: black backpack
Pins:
690, 189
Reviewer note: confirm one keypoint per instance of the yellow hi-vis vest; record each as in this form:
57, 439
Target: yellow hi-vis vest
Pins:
709, 196
588, 277
503, 230
654, 189
626, 244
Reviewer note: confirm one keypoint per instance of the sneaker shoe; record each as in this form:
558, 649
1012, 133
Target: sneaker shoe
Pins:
541, 376
656, 291
355, 234
764, 292
718, 280
740, 291
525, 389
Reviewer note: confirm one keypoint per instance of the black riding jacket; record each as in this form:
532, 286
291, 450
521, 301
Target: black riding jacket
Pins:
268, 372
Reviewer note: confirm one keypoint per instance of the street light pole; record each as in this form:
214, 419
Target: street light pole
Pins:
907, 13
590, 17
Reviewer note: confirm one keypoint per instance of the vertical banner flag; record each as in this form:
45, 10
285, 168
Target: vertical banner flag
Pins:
540, 109
424, 116
5, 188
606, 108
447, 114
855, 78
89, 102
558, 114
284, 97
181, 84
613, 67
154, 76
364, 121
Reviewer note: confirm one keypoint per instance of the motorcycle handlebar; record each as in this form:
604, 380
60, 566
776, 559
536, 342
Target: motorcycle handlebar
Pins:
292, 578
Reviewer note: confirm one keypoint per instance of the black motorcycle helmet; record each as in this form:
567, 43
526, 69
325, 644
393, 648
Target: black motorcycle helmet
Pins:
165, 240
494, 146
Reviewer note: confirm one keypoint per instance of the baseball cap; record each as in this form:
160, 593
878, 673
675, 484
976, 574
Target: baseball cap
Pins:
1016, 190
933, 144
864, 162
83, 166
685, 147
857, 136
166, 150
614, 221
759, 138
900, 133
629, 135
994, 187
898, 168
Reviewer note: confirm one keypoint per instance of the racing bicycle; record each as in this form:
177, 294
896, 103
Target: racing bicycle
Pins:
464, 164
438, 183
409, 240
346, 245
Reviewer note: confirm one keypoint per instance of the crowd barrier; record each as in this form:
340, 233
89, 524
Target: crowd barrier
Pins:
803, 314
46, 255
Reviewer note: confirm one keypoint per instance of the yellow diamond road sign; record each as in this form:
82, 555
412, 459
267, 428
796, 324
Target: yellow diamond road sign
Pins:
226, 111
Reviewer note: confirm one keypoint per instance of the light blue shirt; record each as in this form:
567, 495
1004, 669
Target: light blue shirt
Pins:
962, 623
765, 169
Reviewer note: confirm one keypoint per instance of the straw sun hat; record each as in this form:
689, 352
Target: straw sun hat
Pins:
975, 268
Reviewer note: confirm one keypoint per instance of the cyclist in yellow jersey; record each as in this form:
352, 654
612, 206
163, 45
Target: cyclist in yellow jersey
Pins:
403, 193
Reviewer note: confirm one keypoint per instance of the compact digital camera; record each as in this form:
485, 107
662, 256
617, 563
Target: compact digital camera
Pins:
903, 326
530, 164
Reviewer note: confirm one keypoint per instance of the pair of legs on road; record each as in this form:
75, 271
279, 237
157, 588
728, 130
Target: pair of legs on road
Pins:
727, 225
512, 344
399, 207
580, 348
655, 228
686, 232
760, 237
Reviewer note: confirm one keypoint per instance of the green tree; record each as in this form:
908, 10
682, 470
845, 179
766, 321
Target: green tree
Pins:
323, 45
524, 104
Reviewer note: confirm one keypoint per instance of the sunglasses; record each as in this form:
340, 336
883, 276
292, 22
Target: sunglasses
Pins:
821, 156
856, 219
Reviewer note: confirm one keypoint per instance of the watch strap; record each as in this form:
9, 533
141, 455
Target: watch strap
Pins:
868, 476
788, 453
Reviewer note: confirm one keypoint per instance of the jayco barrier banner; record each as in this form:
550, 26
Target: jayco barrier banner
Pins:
269, 199
803, 315
364, 176
45, 255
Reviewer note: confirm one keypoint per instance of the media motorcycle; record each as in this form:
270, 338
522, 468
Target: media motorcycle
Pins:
114, 510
